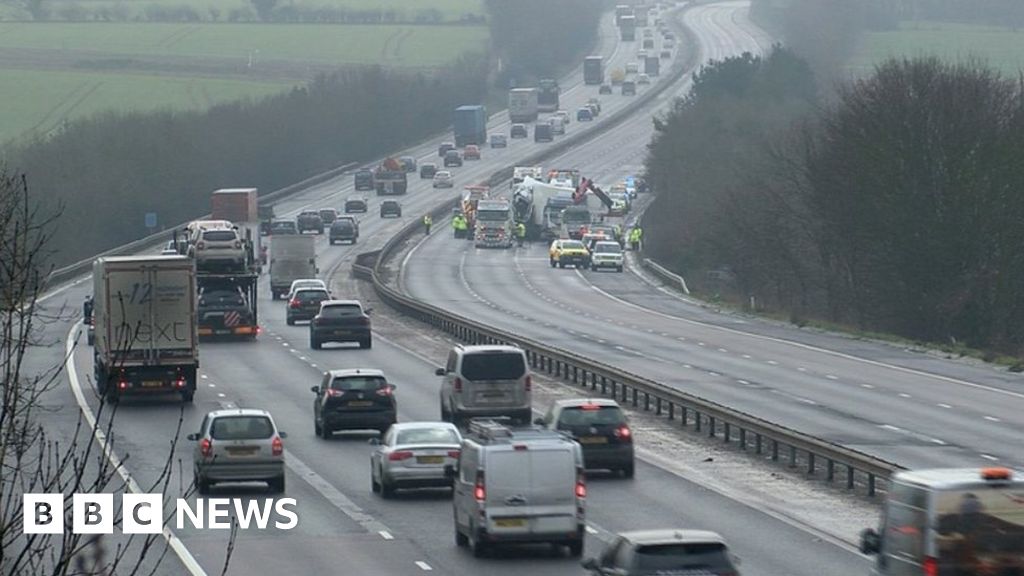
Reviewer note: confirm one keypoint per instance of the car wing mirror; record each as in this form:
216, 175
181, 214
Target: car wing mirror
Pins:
282, 434
440, 372
193, 437
373, 441
870, 542
315, 389
369, 311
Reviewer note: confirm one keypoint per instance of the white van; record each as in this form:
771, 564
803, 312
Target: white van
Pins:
950, 521
557, 124
518, 485
482, 381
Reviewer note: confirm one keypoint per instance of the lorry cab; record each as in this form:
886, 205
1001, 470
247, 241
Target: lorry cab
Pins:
948, 522
518, 485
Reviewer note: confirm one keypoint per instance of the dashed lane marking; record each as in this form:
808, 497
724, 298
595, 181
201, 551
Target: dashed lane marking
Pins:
423, 566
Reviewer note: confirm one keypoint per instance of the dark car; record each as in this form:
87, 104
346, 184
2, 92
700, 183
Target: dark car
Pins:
629, 88
666, 54
584, 115
305, 304
340, 321
283, 228
452, 158
223, 311
309, 220
408, 163
356, 204
664, 551
390, 208
343, 230
543, 133
328, 215
499, 141
427, 170
364, 180
353, 399
519, 131
600, 427
444, 148
604, 89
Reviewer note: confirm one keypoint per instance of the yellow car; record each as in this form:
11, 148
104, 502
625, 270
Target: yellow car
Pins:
564, 252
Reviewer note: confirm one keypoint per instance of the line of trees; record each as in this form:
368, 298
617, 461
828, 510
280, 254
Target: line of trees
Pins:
538, 38
109, 170
896, 207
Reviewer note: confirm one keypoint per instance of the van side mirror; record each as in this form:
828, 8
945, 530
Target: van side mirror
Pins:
870, 541
589, 564
440, 372
282, 434
315, 389
449, 472
193, 437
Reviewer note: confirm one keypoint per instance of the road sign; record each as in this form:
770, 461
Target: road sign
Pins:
150, 219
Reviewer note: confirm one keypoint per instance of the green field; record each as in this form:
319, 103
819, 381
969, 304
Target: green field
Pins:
1000, 47
49, 71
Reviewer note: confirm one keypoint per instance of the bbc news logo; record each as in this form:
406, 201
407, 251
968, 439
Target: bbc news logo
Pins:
144, 514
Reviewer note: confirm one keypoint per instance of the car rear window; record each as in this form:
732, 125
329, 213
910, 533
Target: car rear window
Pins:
359, 383
608, 248
221, 298
219, 235
342, 311
309, 215
312, 295
428, 436
493, 366
241, 428
355, 201
574, 245
591, 416
663, 557
342, 225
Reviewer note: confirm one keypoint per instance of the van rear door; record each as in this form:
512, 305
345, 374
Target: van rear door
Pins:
531, 490
494, 379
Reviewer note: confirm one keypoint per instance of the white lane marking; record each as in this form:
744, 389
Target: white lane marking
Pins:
423, 566
386, 535
221, 395
990, 457
946, 406
905, 395
807, 401
773, 362
992, 419
179, 548
744, 382
868, 386
212, 385
590, 529
801, 369
303, 358
713, 374
203, 376
890, 427
313, 365
687, 366
746, 356
681, 339
700, 344
831, 376
722, 350
937, 441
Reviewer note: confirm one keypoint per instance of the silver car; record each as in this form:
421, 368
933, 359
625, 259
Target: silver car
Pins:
238, 445
413, 455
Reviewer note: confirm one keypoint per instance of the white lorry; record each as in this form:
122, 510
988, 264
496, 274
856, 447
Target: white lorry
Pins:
522, 104
494, 224
538, 205
291, 258
144, 316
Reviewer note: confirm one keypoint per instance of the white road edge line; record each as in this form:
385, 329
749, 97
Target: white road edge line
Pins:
423, 566
173, 541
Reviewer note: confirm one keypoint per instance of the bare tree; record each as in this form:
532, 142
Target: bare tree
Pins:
33, 458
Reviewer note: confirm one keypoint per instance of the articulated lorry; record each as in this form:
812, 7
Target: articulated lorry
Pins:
470, 125
627, 28
228, 299
144, 317
593, 70
522, 104
494, 224
240, 206
548, 95
390, 178
291, 258
539, 205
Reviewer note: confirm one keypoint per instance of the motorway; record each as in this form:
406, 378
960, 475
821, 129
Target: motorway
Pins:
342, 525
912, 408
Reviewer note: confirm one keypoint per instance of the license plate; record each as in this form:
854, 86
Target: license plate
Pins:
242, 451
593, 440
360, 403
510, 522
493, 394
152, 384
341, 332
430, 459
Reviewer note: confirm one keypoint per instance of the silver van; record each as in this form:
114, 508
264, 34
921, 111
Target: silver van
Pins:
480, 381
950, 522
517, 485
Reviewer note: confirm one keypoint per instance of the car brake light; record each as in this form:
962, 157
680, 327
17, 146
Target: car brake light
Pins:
457, 385
385, 391
294, 303
277, 446
180, 382
122, 384
453, 454
930, 566
529, 383
206, 448
590, 407
400, 455
624, 434
334, 393
581, 485
479, 490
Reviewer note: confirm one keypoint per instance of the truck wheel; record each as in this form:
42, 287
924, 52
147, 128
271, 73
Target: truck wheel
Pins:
576, 548
314, 343
289, 321
629, 471
460, 539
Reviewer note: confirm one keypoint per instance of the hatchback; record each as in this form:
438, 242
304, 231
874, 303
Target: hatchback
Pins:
328, 215
471, 152
427, 170
499, 141
444, 148
238, 445
355, 204
283, 228
343, 230
452, 158
413, 455
601, 428
646, 552
408, 163
584, 115
304, 283
353, 399
519, 131
340, 321
364, 180
444, 179
604, 89
304, 304
390, 208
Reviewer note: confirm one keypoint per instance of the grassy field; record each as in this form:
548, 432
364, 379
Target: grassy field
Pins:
415, 46
1000, 47
36, 100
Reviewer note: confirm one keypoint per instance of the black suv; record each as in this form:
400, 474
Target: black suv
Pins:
328, 215
427, 170
452, 158
390, 208
309, 220
444, 148
359, 399
344, 230
355, 204
600, 427
340, 321
305, 304
222, 310
364, 180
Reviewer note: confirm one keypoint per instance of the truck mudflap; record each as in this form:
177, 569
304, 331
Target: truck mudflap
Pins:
145, 380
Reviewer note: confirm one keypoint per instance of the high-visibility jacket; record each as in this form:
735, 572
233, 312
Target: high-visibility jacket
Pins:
427, 220
521, 230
